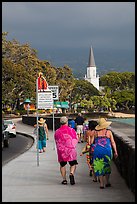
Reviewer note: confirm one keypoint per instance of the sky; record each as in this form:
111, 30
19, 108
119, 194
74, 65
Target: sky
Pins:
63, 32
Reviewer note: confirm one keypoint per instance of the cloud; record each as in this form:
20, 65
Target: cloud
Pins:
71, 24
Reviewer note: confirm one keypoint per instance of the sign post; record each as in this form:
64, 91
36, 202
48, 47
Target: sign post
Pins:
53, 126
44, 100
45, 96
37, 122
55, 91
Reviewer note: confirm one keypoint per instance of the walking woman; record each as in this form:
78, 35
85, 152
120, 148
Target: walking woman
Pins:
102, 156
43, 134
88, 149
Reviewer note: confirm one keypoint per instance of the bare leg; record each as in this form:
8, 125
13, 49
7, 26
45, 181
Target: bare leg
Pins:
79, 140
44, 149
101, 181
90, 168
94, 176
81, 137
72, 169
63, 172
107, 178
71, 176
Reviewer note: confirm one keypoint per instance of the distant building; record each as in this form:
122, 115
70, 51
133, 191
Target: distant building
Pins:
91, 71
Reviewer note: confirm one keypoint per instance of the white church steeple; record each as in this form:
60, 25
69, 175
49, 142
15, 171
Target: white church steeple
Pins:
91, 71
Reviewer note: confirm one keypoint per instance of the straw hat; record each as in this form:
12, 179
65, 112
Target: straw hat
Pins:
41, 121
102, 123
63, 120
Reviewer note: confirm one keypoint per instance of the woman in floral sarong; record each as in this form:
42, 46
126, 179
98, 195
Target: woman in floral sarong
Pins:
102, 156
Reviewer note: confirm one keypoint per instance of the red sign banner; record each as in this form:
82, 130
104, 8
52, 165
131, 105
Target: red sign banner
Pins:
42, 83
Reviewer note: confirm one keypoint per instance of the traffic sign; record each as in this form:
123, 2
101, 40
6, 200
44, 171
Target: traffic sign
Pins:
55, 91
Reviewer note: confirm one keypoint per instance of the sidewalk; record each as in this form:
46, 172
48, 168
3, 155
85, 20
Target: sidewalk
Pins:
24, 181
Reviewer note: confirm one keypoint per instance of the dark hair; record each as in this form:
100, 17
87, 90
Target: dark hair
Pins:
92, 124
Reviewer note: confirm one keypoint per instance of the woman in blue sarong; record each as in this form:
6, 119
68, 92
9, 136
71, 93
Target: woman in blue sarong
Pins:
103, 143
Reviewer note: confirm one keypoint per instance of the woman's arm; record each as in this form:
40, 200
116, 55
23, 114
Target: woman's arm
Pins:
113, 145
46, 129
83, 150
88, 136
92, 139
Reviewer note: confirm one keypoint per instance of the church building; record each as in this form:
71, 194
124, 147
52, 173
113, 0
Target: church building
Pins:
91, 71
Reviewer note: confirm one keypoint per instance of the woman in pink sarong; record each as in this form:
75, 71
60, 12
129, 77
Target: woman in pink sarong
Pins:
66, 141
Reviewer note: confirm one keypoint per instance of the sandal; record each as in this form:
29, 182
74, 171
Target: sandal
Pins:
64, 182
101, 187
94, 180
90, 173
108, 185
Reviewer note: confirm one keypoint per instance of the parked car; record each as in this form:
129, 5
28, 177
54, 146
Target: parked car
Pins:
10, 127
5, 137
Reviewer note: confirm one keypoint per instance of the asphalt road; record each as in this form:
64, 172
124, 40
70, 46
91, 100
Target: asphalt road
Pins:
17, 146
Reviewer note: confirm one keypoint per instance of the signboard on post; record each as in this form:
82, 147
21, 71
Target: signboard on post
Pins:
45, 99
55, 91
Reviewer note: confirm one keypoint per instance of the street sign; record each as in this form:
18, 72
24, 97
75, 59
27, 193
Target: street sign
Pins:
45, 99
55, 91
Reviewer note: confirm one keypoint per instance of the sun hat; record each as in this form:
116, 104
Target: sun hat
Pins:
102, 123
41, 121
63, 120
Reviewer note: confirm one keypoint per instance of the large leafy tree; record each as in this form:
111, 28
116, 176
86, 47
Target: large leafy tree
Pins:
83, 90
128, 80
119, 88
102, 103
49, 72
125, 98
16, 83
65, 80
87, 104
20, 54
118, 81
19, 66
